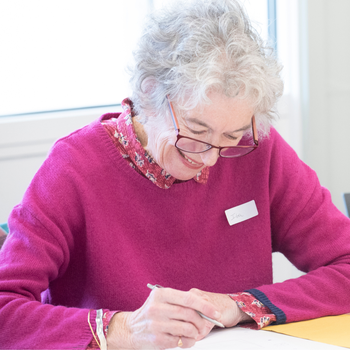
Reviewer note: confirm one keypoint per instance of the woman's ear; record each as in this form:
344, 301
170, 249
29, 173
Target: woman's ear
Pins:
149, 85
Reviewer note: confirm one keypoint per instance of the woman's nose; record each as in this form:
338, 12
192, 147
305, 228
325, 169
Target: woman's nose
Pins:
210, 157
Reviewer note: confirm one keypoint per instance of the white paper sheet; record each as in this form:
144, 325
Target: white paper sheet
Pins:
246, 339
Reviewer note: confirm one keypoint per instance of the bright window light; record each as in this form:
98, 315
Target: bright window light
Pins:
257, 11
73, 53
66, 54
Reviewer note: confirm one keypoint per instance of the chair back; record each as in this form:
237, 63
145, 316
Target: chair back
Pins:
4, 229
346, 199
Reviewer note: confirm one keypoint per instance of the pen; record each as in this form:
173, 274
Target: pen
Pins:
217, 323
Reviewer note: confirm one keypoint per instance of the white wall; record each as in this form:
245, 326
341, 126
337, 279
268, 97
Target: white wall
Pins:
324, 64
24, 143
327, 114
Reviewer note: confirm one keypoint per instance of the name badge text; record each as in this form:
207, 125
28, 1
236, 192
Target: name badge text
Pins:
241, 212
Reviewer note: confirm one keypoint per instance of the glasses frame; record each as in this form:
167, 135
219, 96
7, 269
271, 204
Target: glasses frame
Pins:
210, 146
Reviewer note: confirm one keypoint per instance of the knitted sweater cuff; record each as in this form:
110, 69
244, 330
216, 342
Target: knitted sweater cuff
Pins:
280, 315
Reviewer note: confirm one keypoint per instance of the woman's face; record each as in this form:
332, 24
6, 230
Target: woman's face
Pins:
222, 123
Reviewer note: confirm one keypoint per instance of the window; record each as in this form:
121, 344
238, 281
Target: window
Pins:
59, 55
66, 54
288, 49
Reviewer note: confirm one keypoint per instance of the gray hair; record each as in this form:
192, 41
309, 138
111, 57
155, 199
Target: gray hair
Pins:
192, 48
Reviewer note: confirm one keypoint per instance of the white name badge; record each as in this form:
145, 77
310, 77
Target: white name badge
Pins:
241, 212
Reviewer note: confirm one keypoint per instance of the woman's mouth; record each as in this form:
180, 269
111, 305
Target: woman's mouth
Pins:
190, 161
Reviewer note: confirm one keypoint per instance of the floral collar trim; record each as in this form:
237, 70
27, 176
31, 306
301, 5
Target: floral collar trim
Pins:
140, 157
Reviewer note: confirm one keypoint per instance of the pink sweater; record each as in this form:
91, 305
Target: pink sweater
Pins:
91, 232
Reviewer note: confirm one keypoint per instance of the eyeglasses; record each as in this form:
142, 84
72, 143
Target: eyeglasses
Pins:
190, 145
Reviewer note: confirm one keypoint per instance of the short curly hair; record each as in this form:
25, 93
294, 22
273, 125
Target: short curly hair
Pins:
191, 48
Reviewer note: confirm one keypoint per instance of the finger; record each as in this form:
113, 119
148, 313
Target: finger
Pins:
186, 342
208, 326
165, 341
200, 293
168, 341
187, 299
184, 314
171, 341
165, 311
178, 312
180, 328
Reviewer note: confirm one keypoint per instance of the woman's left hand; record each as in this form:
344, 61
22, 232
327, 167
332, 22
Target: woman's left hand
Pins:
231, 314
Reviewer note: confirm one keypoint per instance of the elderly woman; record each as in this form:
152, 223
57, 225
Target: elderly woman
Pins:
190, 188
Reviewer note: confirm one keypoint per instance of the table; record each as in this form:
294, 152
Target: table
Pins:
247, 339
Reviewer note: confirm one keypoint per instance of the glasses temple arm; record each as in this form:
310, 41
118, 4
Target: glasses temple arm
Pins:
255, 133
173, 116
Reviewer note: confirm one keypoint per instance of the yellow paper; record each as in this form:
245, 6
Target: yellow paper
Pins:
334, 330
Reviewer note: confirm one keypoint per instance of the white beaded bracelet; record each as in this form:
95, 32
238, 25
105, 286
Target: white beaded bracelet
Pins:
99, 329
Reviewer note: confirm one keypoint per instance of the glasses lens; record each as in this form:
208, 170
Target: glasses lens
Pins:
235, 151
191, 146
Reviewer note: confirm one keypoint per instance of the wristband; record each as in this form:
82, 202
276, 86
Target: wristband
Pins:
99, 330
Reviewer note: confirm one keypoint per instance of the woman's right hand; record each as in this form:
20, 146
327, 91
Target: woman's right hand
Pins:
166, 315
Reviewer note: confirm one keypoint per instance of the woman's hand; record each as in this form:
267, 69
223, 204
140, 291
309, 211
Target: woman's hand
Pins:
166, 315
231, 314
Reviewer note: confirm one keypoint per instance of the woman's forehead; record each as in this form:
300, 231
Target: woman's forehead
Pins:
232, 113
233, 128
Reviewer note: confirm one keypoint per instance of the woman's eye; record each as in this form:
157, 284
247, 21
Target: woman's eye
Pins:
197, 132
232, 138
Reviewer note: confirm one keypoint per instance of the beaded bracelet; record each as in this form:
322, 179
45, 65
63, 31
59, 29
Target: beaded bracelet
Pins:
99, 330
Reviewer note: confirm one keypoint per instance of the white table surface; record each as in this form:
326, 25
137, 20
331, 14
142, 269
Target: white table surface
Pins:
246, 339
